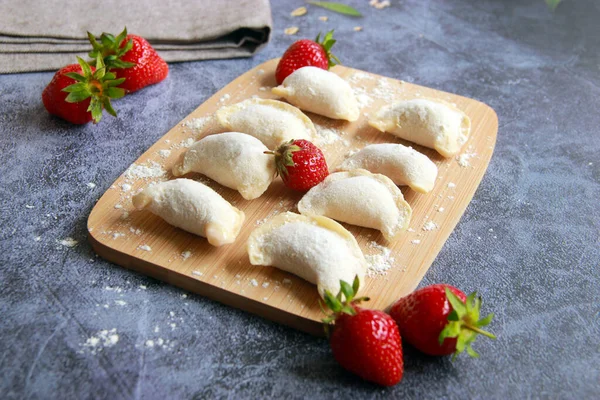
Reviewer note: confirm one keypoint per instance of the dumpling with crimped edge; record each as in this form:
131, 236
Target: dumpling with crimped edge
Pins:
316, 249
321, 92
361, 198
273, 122
193, 207
403, 165
233, 159
430, 123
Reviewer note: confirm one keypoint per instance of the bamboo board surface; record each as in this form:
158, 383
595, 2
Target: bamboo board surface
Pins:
143, 242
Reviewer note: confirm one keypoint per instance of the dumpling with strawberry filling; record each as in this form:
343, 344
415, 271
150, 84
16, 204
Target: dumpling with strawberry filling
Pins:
321, 92
361, 198
233, 159
272, 122
193, 207
317, 249
403, 165
430, 123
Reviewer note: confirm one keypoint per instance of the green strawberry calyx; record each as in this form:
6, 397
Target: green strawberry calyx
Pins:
327, 43
342, 303
99, 86
284, 157
464, 323
111, 49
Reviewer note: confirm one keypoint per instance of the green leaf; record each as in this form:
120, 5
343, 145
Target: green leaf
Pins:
87, 71
108, 107
451, 330
472, 352
121, 36
76, 87
456, 303
115, 92
355, 284
346, 289
121, 64
76, 97
486, 321
96, 109
337, 7
114, 82
76, 76
107, 40
552, 4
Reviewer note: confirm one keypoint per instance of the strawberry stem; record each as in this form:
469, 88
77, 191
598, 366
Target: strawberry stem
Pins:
480, 331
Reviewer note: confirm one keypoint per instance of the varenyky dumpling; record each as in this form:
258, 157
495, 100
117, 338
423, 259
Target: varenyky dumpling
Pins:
321, 92
430, 123
361, 198
272, 122
403, 165
194, 207
317, 249
233, 159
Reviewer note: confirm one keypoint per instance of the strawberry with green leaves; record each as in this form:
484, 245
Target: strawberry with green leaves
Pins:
305, 52
440, 320
365, 342
79, 92
130, 57
300, 164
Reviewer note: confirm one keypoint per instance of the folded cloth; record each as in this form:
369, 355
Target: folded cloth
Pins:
47, 35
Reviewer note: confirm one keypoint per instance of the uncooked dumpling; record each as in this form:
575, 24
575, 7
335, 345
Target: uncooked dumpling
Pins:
317, 249
361, 198
233, 159
430, 123
321, 92
193, 207
272, 122
403, 165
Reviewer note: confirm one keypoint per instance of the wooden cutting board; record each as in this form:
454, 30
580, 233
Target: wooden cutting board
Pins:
143, 242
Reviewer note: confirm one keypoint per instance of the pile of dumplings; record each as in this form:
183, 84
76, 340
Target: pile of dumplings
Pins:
363, 191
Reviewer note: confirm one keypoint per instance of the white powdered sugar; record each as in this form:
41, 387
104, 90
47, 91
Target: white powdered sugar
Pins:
197, 124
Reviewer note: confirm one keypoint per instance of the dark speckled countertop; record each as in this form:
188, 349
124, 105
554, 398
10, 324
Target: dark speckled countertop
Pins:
529, 241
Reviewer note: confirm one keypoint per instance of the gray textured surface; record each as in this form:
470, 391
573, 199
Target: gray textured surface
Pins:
537, 270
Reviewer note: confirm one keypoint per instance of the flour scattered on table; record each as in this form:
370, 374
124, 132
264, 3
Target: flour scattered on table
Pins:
265, 285
153, 170
186, 254
68, 242
254, 282
145, 247
380, 262
415, 241
101, 340
463, 159
120, 303
451, 185
197, 124
197, 273
37, 238
164, 153
441, 209
91, 185
430, 226
327, 136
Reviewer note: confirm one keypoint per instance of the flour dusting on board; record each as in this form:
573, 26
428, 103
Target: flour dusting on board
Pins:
381, 261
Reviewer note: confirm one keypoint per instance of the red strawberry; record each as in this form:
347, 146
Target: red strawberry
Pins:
440, 320
300, 164
130, 57
365, 342
305, 53
79, 98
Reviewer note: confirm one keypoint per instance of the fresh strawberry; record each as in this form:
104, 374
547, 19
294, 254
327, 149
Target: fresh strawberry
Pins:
79, 98
365, 342
130, 57
440, 320
305, 52
300, 164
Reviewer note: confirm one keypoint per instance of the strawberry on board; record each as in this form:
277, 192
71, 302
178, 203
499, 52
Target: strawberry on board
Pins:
79, 92
305, 52
300, 164
365, 342
440, 320
130, 57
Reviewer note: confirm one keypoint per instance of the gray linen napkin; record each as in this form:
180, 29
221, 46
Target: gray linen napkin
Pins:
47, 35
